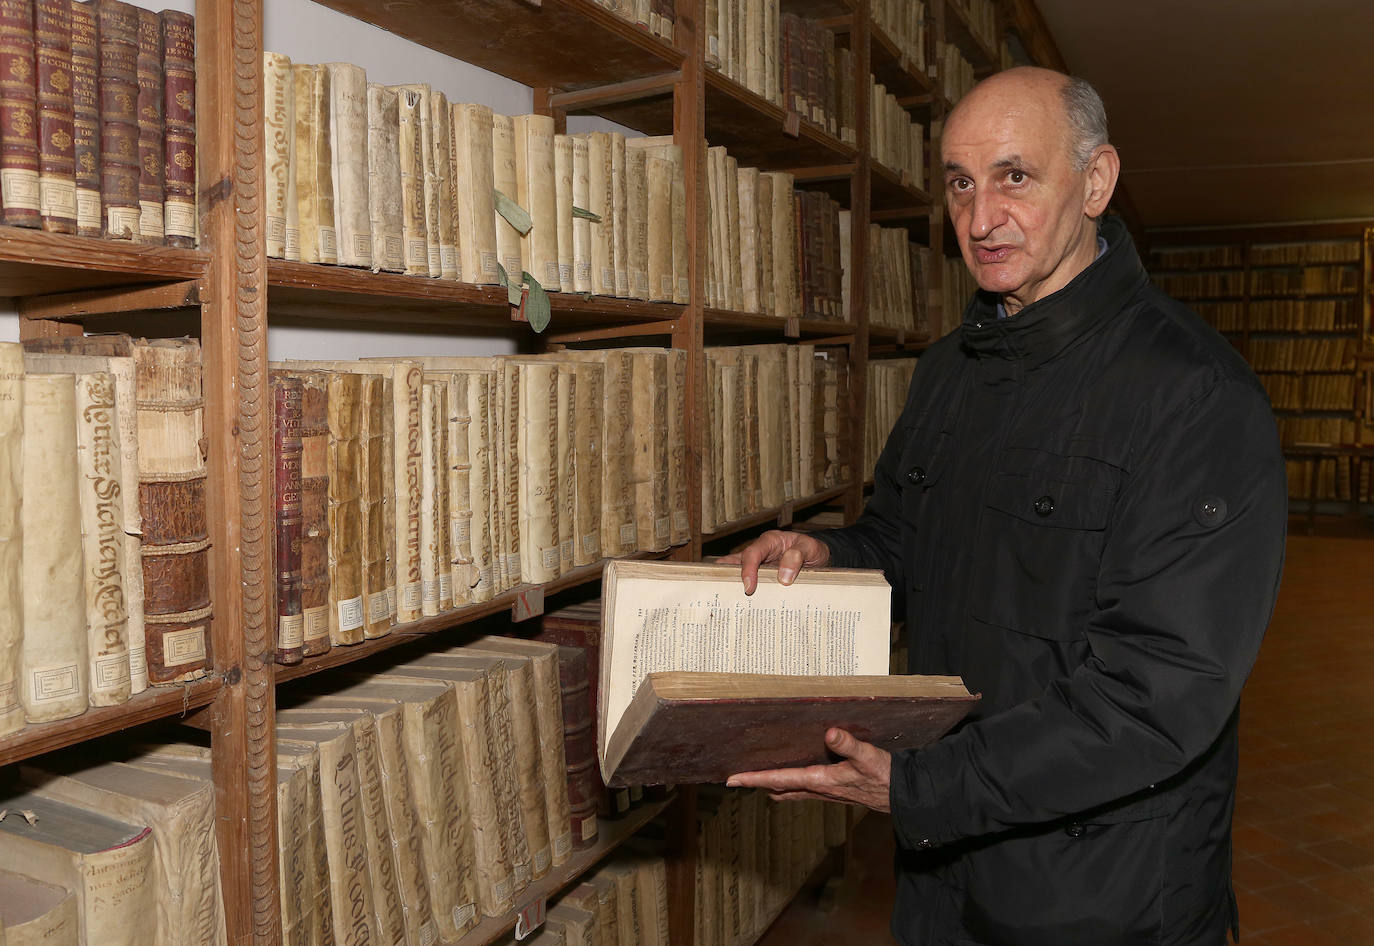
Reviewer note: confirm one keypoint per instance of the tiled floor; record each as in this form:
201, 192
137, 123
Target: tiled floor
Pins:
1304, 825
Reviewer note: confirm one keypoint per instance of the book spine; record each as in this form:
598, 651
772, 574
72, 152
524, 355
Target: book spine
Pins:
579, 745
11, 532
346, 605
637, 221
19, 191
347, 134
384, 179
479, 484
152, 188
119, 126
581, 226
460, 489
372, 463
620, 213
566, 432
86, 118
563, 191
314, 512
406, 831
56, 141
439, 432
279, 132
441, 135
287, 393
412, 157
506, 181
472, 127
180, 218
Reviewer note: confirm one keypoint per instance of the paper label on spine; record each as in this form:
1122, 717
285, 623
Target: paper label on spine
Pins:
183, 647
661, 527
276, 232
179, 217
54, 682
501, 888
446, 586
150, 218
8, 695
410, 596
293, 243
448, 259
377, 607
542, 860
138, 664
391, 602
57, 197
329, 242
562, 846
110, 671
362, 245
351, 613
463, 914
429, 933
19, 188
431, 592
549, 558
627, 534
316, 622
122, 222
588, 829
87, 208
591, 543
290, 630
680, 520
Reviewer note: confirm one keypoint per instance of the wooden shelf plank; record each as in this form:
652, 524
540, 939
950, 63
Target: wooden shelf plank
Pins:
890, 192
819, 9
776, 513
153, 703
33, 262
609, 836
723, 324
589, 45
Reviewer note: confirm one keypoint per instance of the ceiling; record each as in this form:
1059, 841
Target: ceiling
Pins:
1232, 111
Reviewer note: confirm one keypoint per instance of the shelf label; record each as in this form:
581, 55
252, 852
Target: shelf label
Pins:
528, 604
530, 918
791, 124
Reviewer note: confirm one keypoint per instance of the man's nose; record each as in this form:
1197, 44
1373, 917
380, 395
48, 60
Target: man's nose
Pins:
988, 214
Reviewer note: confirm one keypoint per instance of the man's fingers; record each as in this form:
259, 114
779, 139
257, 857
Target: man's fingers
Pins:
789, 564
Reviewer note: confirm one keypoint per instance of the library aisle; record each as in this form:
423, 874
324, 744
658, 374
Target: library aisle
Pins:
1304, 824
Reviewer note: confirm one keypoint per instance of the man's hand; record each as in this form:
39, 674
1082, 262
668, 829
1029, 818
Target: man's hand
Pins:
863, 778
791, 551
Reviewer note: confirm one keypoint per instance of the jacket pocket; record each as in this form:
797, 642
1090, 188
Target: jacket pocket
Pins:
920, 471
1040, 544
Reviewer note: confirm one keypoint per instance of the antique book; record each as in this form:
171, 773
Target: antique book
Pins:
402, 820
650, 474
563, 199
584, 528
620, 213
637, 222
105, 861
514, 727
52, 32
619, 535
19, 191
804, 442
459, 485
152, 191
472, 127
732, 234
566, 425
341, 808
501, 856
433, 493
679, 525
543, 659
287, 393
11, 533
768, 407
434, 763
674, 712
506, 182
576, 925
507, 425
279, 141
33, 913
314, 511
86, 118
384, 196
181, 815
415, 108
53, 661
749, 238
472, 390
374, 463
784, 240
348, 168
343, 462
537, 460
659, 230
581, 226
411, 149
179, 215
312, 168
600, 202
113, 354
441, 136
579, 744
118, 32
623, 877
176, 542
100, 478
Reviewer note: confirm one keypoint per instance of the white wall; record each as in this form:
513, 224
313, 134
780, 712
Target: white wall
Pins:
308, 32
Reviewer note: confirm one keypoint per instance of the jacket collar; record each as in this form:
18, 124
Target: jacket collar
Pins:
1043, 329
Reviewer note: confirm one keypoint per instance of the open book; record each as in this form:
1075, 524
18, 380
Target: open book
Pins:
700, 681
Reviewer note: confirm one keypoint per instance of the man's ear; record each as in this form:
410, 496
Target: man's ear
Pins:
1100, 181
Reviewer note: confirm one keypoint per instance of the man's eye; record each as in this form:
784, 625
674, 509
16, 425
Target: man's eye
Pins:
1017, 177
962, 184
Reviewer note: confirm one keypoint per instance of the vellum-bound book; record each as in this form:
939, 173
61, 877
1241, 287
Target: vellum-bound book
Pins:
700, 681
384, 179
537, 190
33, 913
279, 137
505, 179
472, 171
348, 162
11, 532
413, 157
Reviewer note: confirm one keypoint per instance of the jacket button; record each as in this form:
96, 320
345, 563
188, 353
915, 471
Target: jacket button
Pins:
1044, 506
1076, 830
916, 475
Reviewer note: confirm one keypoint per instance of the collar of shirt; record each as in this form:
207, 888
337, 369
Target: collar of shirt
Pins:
1101, 248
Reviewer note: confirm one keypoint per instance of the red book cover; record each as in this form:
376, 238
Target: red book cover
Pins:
286, 425
151, 179
579, 744
56, 154
179, 124
86, 118
119, 171
18, 116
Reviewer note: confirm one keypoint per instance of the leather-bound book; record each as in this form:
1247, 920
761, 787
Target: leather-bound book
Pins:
278, 140
117, 29
384, 179
579, 744
176, 543
313, 166
34, 912
346, 606
286, 492
152, 182
56, 159
179, 216
86, 118
347, 130
19, 192
314, 511
472, 169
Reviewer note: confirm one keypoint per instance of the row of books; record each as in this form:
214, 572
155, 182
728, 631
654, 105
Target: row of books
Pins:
888, 381
1310, 392
982, 21
1197, 257
1321, 431
1310, 280
623, 902
956, 72
99, 123
659, 17
397, 179
104, 558
1330, 479
1201, 285
1283, 315
896, 278
958, 290
894, 140
904, 22
1314, 251
408, 487
772, 429
1303, 354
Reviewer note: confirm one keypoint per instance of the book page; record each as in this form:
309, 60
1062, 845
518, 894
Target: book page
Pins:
699, 619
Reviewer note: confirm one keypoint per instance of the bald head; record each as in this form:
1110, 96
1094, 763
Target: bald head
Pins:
1079, 108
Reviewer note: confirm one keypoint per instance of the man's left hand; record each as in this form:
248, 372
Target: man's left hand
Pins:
862, 778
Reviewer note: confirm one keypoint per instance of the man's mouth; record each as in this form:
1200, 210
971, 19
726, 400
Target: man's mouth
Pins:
991, 254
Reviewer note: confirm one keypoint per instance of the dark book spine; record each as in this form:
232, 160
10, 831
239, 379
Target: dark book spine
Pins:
811, 57
179, 219
286, 492
52, 33
315, 511
117, 29
579, 744
832, 98
176, 577
86, 118
799, 222
18, 116
152, 189
788, 56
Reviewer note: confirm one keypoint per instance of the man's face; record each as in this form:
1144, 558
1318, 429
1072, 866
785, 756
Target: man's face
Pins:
1016, 202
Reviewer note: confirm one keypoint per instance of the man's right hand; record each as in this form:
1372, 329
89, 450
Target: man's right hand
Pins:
790, 551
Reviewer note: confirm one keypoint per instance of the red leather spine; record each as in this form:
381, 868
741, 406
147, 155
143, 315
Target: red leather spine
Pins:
18, 116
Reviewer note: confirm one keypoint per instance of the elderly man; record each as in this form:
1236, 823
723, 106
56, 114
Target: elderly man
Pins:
1082, 511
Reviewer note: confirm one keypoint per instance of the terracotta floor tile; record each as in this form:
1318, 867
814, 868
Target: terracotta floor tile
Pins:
1258, 841
1252, 874
1343, 853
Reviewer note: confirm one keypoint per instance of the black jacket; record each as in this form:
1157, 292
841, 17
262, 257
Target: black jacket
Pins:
1081, 511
